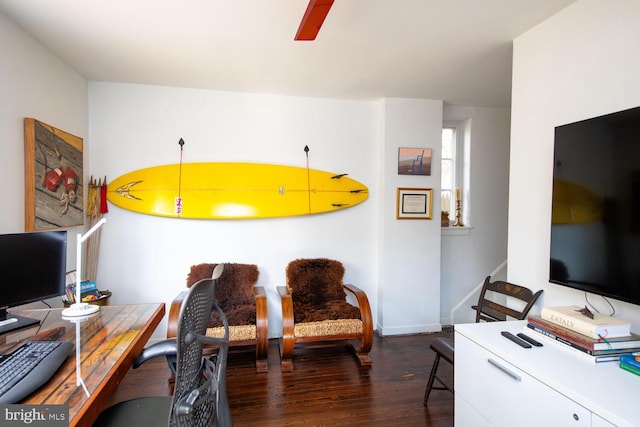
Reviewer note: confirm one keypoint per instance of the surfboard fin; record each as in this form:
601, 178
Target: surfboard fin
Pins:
357, 191
339, 176
339, 205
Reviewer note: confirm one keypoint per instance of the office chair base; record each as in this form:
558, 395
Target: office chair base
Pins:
142, 412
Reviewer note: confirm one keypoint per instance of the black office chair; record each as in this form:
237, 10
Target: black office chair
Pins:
200, 396
488, 310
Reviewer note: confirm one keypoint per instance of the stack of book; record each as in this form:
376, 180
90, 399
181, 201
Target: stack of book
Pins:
88, 291
601, 339
630, 363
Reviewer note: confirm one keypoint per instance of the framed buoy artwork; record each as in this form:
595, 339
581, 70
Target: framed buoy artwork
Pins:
53, 177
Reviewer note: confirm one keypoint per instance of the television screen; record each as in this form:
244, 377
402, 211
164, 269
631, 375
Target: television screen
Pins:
595, 224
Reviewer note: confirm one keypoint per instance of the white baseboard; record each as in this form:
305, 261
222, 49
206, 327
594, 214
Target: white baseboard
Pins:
408, 329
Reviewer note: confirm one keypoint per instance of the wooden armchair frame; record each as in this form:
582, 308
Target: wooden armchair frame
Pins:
261, 341
361, 341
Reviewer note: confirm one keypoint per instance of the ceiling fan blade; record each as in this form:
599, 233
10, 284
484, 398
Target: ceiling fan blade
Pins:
313, 19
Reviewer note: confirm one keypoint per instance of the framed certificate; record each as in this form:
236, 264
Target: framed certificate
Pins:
414, 203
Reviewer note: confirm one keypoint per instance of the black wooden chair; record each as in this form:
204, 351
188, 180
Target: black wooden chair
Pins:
199, 397
488, 309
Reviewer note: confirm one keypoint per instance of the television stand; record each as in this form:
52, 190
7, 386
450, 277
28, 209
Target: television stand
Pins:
498, 383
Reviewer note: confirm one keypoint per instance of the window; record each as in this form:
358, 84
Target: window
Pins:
449, 170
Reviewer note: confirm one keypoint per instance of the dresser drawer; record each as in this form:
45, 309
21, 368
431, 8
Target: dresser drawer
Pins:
506, 396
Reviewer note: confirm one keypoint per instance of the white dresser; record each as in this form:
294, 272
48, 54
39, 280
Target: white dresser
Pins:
498, 383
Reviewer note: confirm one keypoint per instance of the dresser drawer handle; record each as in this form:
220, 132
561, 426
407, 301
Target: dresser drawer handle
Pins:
505, 370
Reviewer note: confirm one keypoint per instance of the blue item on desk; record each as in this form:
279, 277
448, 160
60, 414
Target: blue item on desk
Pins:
27, 368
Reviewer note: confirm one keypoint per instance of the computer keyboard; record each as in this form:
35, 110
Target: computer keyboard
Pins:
27, 368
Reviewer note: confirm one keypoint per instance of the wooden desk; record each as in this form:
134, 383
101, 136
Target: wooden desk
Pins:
110, 341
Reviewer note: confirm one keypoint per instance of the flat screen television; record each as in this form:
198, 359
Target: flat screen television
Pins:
595, 224
33, 268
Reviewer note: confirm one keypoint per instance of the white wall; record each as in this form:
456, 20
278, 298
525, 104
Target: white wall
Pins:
33, 83
409, 250
146, 258
469, 255
582, 62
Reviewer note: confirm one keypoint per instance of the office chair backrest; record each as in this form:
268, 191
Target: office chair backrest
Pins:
196, 381
489, 310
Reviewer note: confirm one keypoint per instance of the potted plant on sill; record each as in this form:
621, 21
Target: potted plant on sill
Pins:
444, 218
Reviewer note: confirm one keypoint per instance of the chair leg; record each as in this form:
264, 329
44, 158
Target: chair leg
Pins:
262, 365
286, 354
362, 353
432, 377
364, 359
262, 356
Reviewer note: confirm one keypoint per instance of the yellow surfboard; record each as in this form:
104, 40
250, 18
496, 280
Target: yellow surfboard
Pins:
233, 190
574, 204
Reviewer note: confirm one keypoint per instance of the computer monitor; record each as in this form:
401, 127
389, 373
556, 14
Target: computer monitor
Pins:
32, 268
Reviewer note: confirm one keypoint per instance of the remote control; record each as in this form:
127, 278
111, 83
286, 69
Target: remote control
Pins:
515, 339
530, 340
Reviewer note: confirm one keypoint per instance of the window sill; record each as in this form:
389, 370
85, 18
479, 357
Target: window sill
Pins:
456, 231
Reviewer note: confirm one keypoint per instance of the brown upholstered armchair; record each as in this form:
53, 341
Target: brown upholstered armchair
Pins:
243, 303
315, 308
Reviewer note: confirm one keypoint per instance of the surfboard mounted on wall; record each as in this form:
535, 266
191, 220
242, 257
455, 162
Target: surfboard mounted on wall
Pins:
233, 191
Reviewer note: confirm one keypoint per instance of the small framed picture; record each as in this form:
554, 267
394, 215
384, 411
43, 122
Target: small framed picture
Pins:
414, 203
414, 161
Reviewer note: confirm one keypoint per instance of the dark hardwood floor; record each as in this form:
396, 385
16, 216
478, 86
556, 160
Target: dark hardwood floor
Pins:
327, 387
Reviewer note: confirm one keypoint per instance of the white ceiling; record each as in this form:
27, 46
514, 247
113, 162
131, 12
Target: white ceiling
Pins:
455, 50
